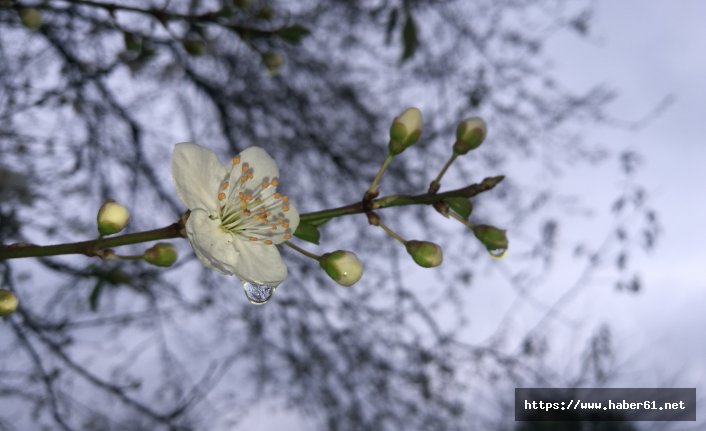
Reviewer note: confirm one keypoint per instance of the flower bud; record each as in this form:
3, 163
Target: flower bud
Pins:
31, 18
494, 239
470, 133
8, 302
112, 217
161, 254
342, 266
405, 130
426, 254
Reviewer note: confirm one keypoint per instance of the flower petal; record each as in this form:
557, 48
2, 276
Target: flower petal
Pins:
213, 246
250, 168
197, 175
259, 263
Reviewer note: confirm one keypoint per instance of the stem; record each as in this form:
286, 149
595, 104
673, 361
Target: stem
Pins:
392, 233
302, 251
434, 186
465, 222
90, 248
374, 185
94, 247
400, 200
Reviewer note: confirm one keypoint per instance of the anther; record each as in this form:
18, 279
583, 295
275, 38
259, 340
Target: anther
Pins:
221, 196
268, 241
275, 182
235, 160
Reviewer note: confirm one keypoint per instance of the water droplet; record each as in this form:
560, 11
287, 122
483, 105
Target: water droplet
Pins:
257, 293
497, 253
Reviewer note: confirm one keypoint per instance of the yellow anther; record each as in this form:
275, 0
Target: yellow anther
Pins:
277, 196
285, 198
265, 184
275, 182
244, 168
226, 184
246, 213
274, 227
252, 238
248, 197
235, 160
285, 208
284, 224
287, 236
268, 241
221, 196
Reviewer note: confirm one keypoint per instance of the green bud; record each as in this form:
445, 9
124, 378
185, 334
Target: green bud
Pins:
494, 239
161, 254
31, 18
273, 61
112, 217
426, 254
8, 302
470, 133
405, 130
342, 266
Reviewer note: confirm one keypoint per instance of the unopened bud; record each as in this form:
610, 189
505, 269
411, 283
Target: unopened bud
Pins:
470, 133
494, 239
8, 302
31, 18
161, 254
405, 130
342, 266
112, 217
426, 254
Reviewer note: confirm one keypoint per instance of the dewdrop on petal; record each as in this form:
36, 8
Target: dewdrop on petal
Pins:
112, 217
470, 133
424, 253
8, 302
405, 130
342, 266
161, 254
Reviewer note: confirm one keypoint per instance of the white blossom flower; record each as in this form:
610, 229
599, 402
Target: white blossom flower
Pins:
237, 216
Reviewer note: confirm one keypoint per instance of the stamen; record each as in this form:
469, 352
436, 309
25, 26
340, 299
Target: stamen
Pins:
235, 160
221, 196
275, 182
245, 168
253, 238
226, 184
268, 241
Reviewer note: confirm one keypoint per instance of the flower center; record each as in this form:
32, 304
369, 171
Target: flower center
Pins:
252, 207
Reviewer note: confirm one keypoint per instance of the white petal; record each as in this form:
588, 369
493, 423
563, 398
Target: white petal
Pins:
259, 263
262, 165
197, 175
213, 246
